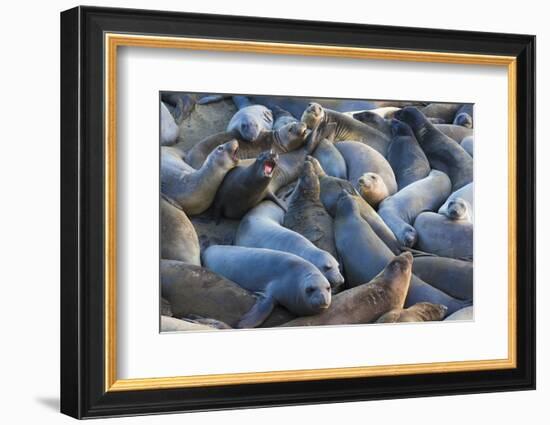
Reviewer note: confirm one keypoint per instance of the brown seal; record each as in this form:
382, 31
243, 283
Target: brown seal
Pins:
421, 312
366, 303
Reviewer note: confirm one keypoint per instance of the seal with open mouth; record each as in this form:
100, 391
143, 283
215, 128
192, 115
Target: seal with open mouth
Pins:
244, 187
194, 190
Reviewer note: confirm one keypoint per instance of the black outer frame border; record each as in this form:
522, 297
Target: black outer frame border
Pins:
82, 206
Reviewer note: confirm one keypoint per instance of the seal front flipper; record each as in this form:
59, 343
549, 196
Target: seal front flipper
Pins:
272, 197
258, 313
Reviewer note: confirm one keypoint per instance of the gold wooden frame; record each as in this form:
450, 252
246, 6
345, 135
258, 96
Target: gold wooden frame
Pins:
113, 41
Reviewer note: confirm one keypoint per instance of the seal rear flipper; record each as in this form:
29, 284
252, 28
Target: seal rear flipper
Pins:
258, 313
271, 197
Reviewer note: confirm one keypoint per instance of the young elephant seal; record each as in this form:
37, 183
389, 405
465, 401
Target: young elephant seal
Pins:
443, 153
332, 188
244, 187
279, 277
453, 131
368, 171
406, 157
251, 121
421, 312
179, 240
194, 190
366, 303
262, 227
442, 236
400, 210
468, 145
306, 214
460, 204
364, 255
346, 128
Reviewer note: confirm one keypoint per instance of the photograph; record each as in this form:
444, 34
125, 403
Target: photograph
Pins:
286, 211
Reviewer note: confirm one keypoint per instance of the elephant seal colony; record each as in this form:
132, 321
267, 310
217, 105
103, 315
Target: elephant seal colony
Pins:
294, 212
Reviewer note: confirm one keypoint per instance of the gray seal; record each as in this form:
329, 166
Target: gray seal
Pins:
179, 240
406, 157
421, 312
194, 190
251, 121
366, 303
455, 132
368, 171
196, 291
400, 210
346, 128
262, 227
244, 187
279, 278
306, 214
333, 187
285, 139
460, 204
452, 276
356, 242
443, 153
442, 236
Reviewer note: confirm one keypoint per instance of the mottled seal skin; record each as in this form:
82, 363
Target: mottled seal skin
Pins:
179, 240
455, 132
406, 157
421, 312
442, 236
366, 303
368, 171
444, 111
452, 276
196, 291
468, 145
346, 128
467, 313
364, 255
306, 214
194, 190
280, 278
285, 139
169, 130
333, 187
331, 159
244, 187
262, 227
400, 210
464, 208
443, 153
251, 121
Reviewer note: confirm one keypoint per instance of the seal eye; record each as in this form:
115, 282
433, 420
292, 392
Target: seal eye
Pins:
309, 290
220, 148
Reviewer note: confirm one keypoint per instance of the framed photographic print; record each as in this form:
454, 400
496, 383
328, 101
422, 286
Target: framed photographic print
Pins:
261, 212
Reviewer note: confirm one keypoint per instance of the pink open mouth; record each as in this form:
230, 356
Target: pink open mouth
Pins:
234, 156
269, 166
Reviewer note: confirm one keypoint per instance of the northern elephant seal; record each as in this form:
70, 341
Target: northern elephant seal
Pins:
245, 187
251, 121
376, 121
366, 303
468, 145
444, 111
333, 187
169, 130
194, 190
421, 312
262, 227
346, 128
453, 131
400, 210
280, 278
442, 236
331, 159
368, 171
452, 276
179, 240
464, 116
196, 291
406, 157
464, 208
364, 255
443, 153
306, 214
